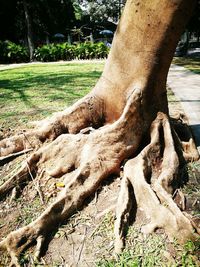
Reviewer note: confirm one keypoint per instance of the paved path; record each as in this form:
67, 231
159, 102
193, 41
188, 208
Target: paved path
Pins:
186, 87
11, 66
17, 65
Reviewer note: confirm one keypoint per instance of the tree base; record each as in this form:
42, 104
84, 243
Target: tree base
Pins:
83, 161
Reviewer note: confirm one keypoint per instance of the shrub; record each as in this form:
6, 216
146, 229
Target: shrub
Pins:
54, 52
89, 50
65, 51
101, 50
12, 53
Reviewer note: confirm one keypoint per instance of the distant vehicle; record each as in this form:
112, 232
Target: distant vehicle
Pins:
194, 49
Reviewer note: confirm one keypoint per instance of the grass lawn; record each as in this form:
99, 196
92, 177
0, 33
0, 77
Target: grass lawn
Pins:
35, 91
192, 64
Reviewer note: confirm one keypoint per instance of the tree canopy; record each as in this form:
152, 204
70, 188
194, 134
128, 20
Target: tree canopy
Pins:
46, 17
102, 10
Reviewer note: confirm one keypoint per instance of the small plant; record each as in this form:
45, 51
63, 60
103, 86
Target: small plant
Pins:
12, 53
189, 256
54, 52
65, 51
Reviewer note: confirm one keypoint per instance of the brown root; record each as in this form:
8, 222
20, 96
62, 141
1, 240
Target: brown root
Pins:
88, 111
183, 137
152, 174
92, 158
83, 161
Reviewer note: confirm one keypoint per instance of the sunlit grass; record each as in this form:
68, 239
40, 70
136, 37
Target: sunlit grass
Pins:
192, 64
35, 91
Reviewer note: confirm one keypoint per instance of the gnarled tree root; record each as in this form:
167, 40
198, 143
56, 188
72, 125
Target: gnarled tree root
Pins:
152, 174
88, 159
84, 161
89, 111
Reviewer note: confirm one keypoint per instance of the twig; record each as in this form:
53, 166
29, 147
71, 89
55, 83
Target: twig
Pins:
37, 186
73, 249
63, 260
194, 202
25, 137
2, 225
13, 194
82, 245
16, 154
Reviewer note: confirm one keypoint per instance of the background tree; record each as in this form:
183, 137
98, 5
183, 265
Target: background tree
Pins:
98, 15
29, 29
30, 21
194, 23
102, 10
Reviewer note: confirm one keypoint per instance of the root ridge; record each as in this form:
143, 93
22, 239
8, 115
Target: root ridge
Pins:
154, 195
80, 162
92, 159
89, 111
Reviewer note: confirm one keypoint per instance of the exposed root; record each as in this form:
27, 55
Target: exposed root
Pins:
89, 111
184, 138
152, 174
83, 161
88, 159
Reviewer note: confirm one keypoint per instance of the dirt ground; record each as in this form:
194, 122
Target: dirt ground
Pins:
87, 238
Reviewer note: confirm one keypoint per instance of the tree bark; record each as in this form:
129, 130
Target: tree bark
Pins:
29, 30
141, 53
127, 108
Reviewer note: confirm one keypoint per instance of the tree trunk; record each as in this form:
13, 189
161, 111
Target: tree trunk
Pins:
29, 30
141, 53
126, 110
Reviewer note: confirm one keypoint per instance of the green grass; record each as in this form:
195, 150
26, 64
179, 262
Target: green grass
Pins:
139, 251
155, 250
192, 64
35, 91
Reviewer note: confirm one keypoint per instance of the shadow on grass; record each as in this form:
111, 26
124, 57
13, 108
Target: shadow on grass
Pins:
49, 86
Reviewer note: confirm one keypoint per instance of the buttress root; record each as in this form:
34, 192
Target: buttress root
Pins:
152, 175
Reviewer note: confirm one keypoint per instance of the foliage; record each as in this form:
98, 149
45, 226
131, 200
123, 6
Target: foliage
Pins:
12, 53
46, 17
188, 257
78, 12
64, 51
89, 50
102, 10
54, 52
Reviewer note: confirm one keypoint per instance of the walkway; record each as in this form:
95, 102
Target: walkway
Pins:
18, 65
186, 87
